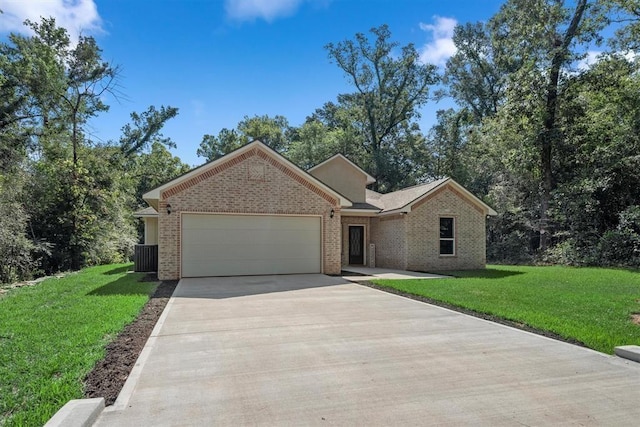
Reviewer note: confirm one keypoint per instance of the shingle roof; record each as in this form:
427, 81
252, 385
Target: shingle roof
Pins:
401, 198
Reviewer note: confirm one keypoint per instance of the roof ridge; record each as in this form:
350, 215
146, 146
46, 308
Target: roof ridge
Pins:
421, 184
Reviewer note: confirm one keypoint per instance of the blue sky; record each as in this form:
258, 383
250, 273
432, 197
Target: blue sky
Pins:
219, 60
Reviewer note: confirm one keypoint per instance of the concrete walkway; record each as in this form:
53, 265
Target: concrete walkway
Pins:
317, 350
367, 273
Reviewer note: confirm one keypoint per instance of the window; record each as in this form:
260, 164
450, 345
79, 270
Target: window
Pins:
447, 237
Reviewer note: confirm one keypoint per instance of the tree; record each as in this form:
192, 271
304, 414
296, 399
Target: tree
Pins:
155, 168
541, 35
71, 197
272, 131
213, 147
145, 130
312, 144
626, 15
447, 140
389, 92
62, 87
473, 77
600, 177
328, 131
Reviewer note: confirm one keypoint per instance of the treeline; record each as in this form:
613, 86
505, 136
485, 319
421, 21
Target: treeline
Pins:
66, 200
547, 138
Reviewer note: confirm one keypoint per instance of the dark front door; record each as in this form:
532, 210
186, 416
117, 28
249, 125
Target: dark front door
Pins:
356, 245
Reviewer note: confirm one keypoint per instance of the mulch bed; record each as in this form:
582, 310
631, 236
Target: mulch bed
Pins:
485, 316
109, 375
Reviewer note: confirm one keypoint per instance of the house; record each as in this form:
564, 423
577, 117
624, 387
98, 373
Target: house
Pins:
253, 212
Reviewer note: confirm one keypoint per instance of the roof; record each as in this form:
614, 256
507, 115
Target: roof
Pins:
370, 179
403, 200
154, 195
365, 206
146, 213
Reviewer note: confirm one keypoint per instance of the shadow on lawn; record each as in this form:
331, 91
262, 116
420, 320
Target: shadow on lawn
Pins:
119, 270
488, 273
123, 286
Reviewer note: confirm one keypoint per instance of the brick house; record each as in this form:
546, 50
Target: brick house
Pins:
254, 212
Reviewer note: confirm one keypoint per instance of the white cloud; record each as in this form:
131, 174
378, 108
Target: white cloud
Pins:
76, 16
593, 56
441, 47
269, 10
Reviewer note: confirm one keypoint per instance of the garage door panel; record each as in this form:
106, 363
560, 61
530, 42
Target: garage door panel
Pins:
236, 251
227, 245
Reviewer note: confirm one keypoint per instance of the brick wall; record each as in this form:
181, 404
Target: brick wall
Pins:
354, 220
254, 182
423, 233
388, 234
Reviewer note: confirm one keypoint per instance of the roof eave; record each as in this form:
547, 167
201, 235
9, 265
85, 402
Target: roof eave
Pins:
487, 209
146, 215
360, 212
400, 211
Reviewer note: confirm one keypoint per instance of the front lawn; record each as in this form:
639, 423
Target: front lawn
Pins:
591, 305
52, 334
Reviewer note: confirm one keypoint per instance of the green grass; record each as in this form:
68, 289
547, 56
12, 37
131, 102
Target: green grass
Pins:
52, 334
590, 305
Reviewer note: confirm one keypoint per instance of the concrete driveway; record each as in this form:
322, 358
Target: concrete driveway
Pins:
317, 350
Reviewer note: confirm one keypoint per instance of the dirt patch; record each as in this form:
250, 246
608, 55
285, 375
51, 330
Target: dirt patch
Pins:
635, 319
109, 375
485, 316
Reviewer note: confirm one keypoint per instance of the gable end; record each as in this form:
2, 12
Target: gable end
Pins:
207, 174
454, 191
290, 173
239, 159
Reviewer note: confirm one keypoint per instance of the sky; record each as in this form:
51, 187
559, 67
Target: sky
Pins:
221, 60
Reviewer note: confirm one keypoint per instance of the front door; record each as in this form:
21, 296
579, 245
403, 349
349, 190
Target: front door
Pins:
356, 244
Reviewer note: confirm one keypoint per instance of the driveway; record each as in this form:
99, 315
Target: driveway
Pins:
317, 350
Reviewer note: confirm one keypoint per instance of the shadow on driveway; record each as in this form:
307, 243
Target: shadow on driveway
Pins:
242, 286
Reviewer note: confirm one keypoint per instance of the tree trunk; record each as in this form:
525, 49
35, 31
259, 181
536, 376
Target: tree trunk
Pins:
75, 248
549, 135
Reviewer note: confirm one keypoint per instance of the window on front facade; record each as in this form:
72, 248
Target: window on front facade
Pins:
447, 236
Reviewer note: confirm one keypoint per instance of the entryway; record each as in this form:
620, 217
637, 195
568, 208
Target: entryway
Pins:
356, 244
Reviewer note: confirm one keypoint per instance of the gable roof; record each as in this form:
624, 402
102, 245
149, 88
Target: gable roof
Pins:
402, 201
154, 195
370, 179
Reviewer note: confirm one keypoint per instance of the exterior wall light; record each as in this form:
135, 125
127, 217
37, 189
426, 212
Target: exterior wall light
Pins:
332, 213
169, 209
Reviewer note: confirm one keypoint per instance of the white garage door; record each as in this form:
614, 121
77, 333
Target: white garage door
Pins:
236, 245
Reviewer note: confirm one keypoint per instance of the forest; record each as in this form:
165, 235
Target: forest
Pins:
542, 130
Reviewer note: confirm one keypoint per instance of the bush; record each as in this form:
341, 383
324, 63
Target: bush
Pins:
15, 248
568, 252
620, 248
113, 244
511, 248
